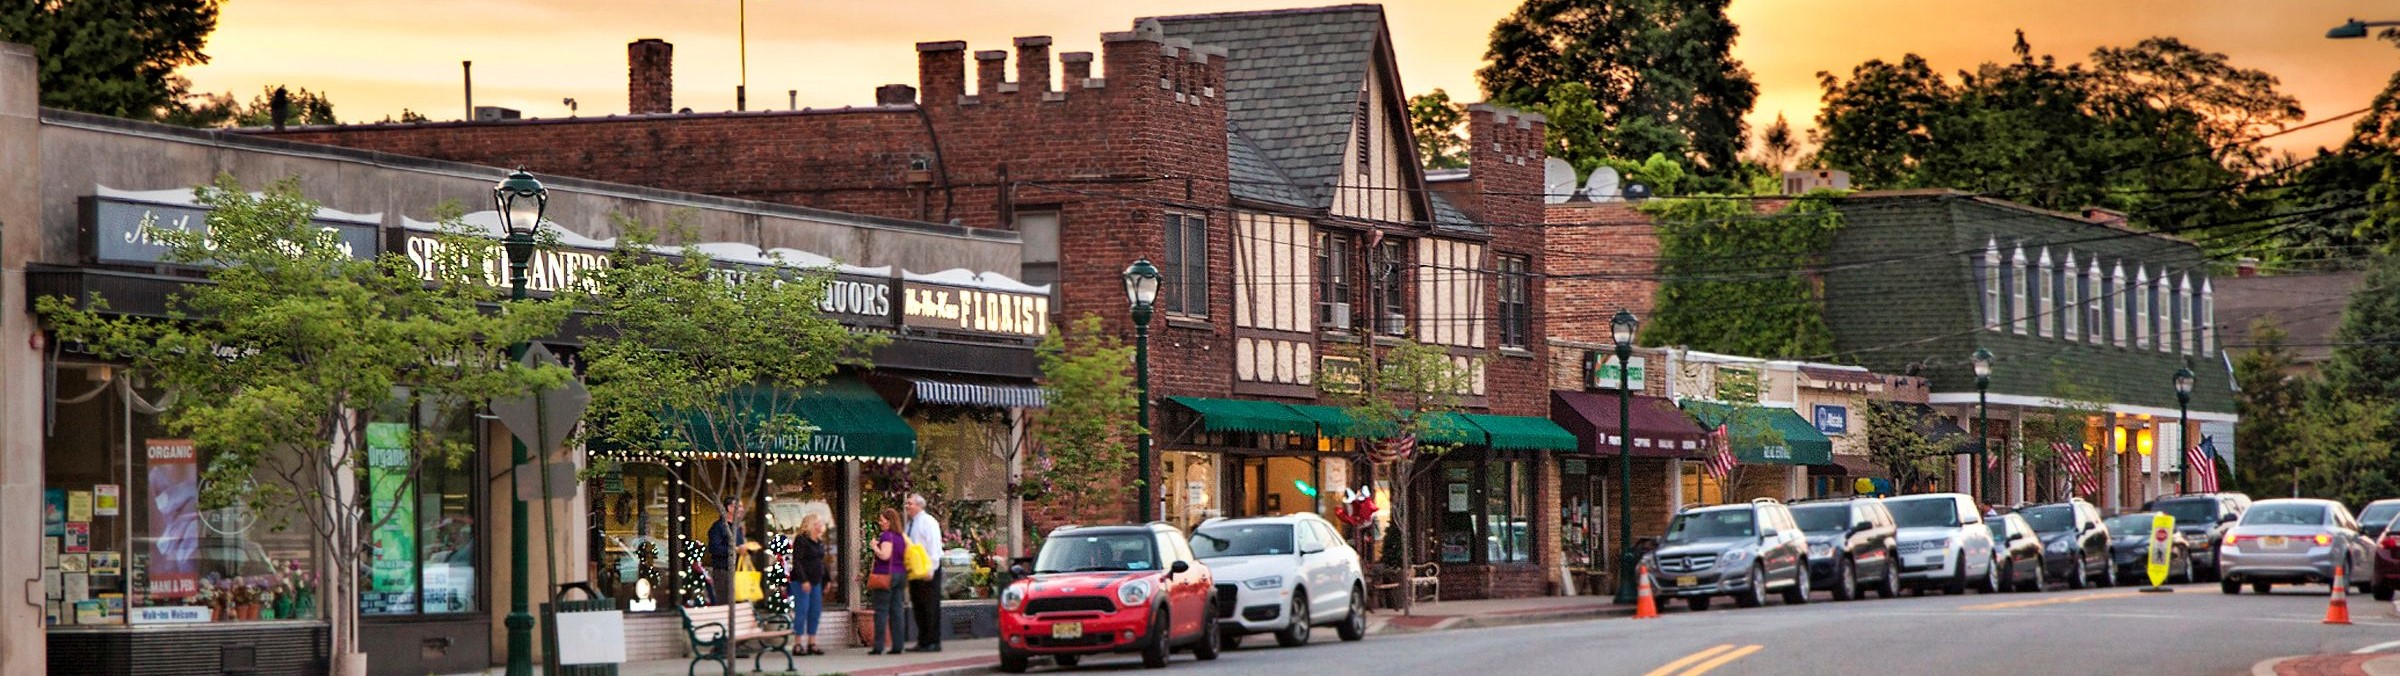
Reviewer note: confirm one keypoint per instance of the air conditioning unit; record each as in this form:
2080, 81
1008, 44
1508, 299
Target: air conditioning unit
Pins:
1394, 324
1333, 316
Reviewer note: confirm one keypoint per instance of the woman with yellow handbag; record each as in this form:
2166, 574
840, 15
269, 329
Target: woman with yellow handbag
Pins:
887, 585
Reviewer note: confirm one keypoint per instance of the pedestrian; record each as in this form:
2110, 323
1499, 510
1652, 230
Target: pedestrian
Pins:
890, 603
725, 540
808, 582
925, 532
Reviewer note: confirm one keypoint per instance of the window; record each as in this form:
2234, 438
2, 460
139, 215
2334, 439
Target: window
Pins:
1335, 281
1183, 271
2141, 307
1039, 229
2178, 312
437, 575
1391, 286
1990, 272
1508, 511
2019, 290
2208, 317
2095, 317
1366, 144
2118, 298
2189, 302
1310, 540
1699, 487
2071, 292
2045, 289
1516, 300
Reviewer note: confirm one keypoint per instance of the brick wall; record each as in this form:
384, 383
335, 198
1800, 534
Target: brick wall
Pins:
1505, 157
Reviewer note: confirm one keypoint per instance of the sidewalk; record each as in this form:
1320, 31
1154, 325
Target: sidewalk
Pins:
957, 655
2371, 664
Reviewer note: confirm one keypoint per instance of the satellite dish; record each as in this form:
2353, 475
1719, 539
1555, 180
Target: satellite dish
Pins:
1637, 191
1558, 181
1602, 186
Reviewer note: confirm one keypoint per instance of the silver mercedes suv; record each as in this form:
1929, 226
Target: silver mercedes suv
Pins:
1740, 550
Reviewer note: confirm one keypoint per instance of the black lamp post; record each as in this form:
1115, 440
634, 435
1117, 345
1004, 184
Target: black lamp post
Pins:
2354, 29
1141, 288
2183, 414
1983, 423
520, 200
1620, 329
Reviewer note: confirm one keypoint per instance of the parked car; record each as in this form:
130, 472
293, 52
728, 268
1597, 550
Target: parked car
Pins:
1109, 589
2376, 522
1284, 575
2202, 521
1943, 543
1740, 550
2295, 541
1850, 540
2074, 543
2129, 549
2018, 552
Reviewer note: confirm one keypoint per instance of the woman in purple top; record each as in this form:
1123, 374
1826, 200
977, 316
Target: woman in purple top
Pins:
891, 605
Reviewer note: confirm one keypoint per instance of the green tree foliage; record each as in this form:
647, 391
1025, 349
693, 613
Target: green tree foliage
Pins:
1728, 282
1436, 121
1778, 148
2270, 402
2344, 450
1899, 441
281, 361
112, 57
1410, 389
1661, 73
220, 110
1087, 433
2366, 362
689, 356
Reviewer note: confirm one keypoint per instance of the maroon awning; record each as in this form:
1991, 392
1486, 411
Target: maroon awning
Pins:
1660, 430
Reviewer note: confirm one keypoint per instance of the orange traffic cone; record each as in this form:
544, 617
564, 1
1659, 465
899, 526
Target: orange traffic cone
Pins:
2339, 612
1644, 606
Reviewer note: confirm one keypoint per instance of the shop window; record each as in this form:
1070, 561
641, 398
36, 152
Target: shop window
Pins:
1701, 489
1582, 515
1183, 270
632, 513
1516, 300
423, 526
1190, 487
1488, 502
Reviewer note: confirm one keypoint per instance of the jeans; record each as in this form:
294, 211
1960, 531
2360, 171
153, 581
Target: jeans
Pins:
808, 610
891, 617
926, 595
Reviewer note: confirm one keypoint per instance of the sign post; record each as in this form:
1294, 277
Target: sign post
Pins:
2162, 527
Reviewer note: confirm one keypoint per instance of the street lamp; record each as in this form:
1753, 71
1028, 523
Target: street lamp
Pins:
2183, 414
1983, 421
1141, 289
1621, 329
2354, 29
520, 200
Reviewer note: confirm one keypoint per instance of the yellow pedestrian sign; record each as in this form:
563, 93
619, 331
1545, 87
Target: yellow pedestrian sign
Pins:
2162, 526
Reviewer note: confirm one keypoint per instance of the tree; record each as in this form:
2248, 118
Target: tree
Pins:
1905, 446
1409, 391
219, 110
689, 358
1087, 431
1777, 148
2270, 400
289, 362
1436, 120
2066, 418
2366, 358
112, 57
1879, 125
1661, 71
1711, 250
2344, 450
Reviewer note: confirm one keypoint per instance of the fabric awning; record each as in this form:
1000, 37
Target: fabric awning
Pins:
1244, 415
968, 394
1522, 433
1454, 429
1765, 435
1331, 421
1659, 429
1849, 465
849, 422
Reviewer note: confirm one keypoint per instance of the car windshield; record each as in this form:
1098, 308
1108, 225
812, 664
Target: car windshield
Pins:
1077, 552
2379, 513
1935, 513
2128, 525
2190, 512
2287, 514
1251, 540
1723, 523
1815, 519
2049, 518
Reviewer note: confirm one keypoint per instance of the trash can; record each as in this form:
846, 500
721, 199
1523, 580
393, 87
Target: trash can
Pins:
595, 631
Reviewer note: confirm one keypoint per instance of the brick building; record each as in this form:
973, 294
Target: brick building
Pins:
1262, 159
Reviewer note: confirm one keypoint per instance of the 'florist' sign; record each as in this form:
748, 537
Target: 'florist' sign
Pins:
122, 227
953, 308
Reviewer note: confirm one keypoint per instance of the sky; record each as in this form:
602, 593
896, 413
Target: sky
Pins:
374, 58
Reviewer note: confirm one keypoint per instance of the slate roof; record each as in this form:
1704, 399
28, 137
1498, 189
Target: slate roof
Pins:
2307, 306
1292, 83
1255, 178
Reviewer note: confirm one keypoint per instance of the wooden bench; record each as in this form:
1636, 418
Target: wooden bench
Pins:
717, 632
1424, 582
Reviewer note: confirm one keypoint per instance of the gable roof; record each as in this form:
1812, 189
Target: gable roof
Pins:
2307, 306
1292, 84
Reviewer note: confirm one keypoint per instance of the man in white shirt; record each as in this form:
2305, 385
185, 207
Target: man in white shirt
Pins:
926, 595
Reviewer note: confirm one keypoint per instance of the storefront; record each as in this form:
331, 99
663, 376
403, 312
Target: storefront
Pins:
1242, 457
1771, 447
1590, 486
1482, 507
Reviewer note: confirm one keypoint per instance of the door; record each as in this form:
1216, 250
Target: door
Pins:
1186, 592
1312, 567
1340, 561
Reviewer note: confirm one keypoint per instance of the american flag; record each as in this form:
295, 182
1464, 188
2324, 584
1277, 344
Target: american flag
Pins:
1396, 447
2079, 467
2201, 458
1723, 461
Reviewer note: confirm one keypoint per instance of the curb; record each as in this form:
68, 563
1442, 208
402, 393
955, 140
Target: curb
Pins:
1432, 623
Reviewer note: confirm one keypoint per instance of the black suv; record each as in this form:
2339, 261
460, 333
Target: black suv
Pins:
1739, 550
2075, 544
2202, 520
1849, 540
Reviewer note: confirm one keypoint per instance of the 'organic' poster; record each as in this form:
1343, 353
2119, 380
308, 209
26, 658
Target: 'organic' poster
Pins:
393, 507
174, 518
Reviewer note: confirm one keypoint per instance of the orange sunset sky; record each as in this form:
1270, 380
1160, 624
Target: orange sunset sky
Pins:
374, 58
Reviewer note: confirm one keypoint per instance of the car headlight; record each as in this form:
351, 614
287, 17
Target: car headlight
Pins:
1134, 593
1264, 583
1820, 551
1012, 598
1736, 556
1937, 543
2061, 546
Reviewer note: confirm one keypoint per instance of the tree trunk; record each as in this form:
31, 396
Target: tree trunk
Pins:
1406, 532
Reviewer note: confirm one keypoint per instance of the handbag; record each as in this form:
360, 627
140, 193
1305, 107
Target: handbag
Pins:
920, 566
746, 587
879, 581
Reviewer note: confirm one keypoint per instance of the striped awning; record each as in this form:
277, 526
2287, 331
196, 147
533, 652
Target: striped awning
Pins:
965, 394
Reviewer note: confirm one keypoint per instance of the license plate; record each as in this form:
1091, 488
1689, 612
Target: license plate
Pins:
1687, 581
2273, 541
1065, 630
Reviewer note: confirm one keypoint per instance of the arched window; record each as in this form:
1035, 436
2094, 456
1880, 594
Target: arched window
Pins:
2117, 298
2019, 293
2045, 296
2208, 317
2187, 306
1990, 272
2072, 287
2144, 299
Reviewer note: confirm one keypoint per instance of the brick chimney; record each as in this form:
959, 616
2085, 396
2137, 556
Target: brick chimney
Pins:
2104, 216
895, 95
650, 77
941, 73
2245, 267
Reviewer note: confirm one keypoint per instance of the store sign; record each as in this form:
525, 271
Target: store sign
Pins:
1601, 371
549, 271
1735, 384
127, 231
951, 308
169, 615
1833, 419
1340, 374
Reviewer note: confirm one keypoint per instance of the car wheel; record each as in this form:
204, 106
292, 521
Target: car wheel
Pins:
2108, 575
1154, 652
1991, 579
1698, 603
1958, 576
2229, 586
2077, 578
2262, 587
2040, 582
1066, 661
1228, 641
1296, 634
2383, 590
1845, 580
1355, 627
1757, 594
2191, 569
1891, 576
1211, 635
1014, 662
1797, 594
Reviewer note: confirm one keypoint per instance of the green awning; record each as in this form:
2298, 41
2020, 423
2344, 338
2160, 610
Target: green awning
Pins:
1243, 415
1331, 421
1765, 435
1444, 427
1526, 433
849, 422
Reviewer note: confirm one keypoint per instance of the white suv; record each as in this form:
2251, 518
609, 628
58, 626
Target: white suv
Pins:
1943, 543
1282, 574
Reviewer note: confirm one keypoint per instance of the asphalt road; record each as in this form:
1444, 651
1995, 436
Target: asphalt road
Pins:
2195, 630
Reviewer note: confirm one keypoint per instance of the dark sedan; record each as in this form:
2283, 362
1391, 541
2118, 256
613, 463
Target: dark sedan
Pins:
2130, 550
2074, 543
2018, 553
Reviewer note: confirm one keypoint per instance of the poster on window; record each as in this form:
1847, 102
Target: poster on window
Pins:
174, 518
105, 499
392, 508
54, 511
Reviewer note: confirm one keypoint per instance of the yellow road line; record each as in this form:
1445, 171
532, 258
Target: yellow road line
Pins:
1720, 660
2055, 600
1687, 660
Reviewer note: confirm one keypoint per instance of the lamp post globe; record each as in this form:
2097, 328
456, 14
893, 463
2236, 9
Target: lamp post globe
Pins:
1621, 329
1982, 360
521, 201
1141, 289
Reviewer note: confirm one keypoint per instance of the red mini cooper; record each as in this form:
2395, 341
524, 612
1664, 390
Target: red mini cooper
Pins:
1109, 589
